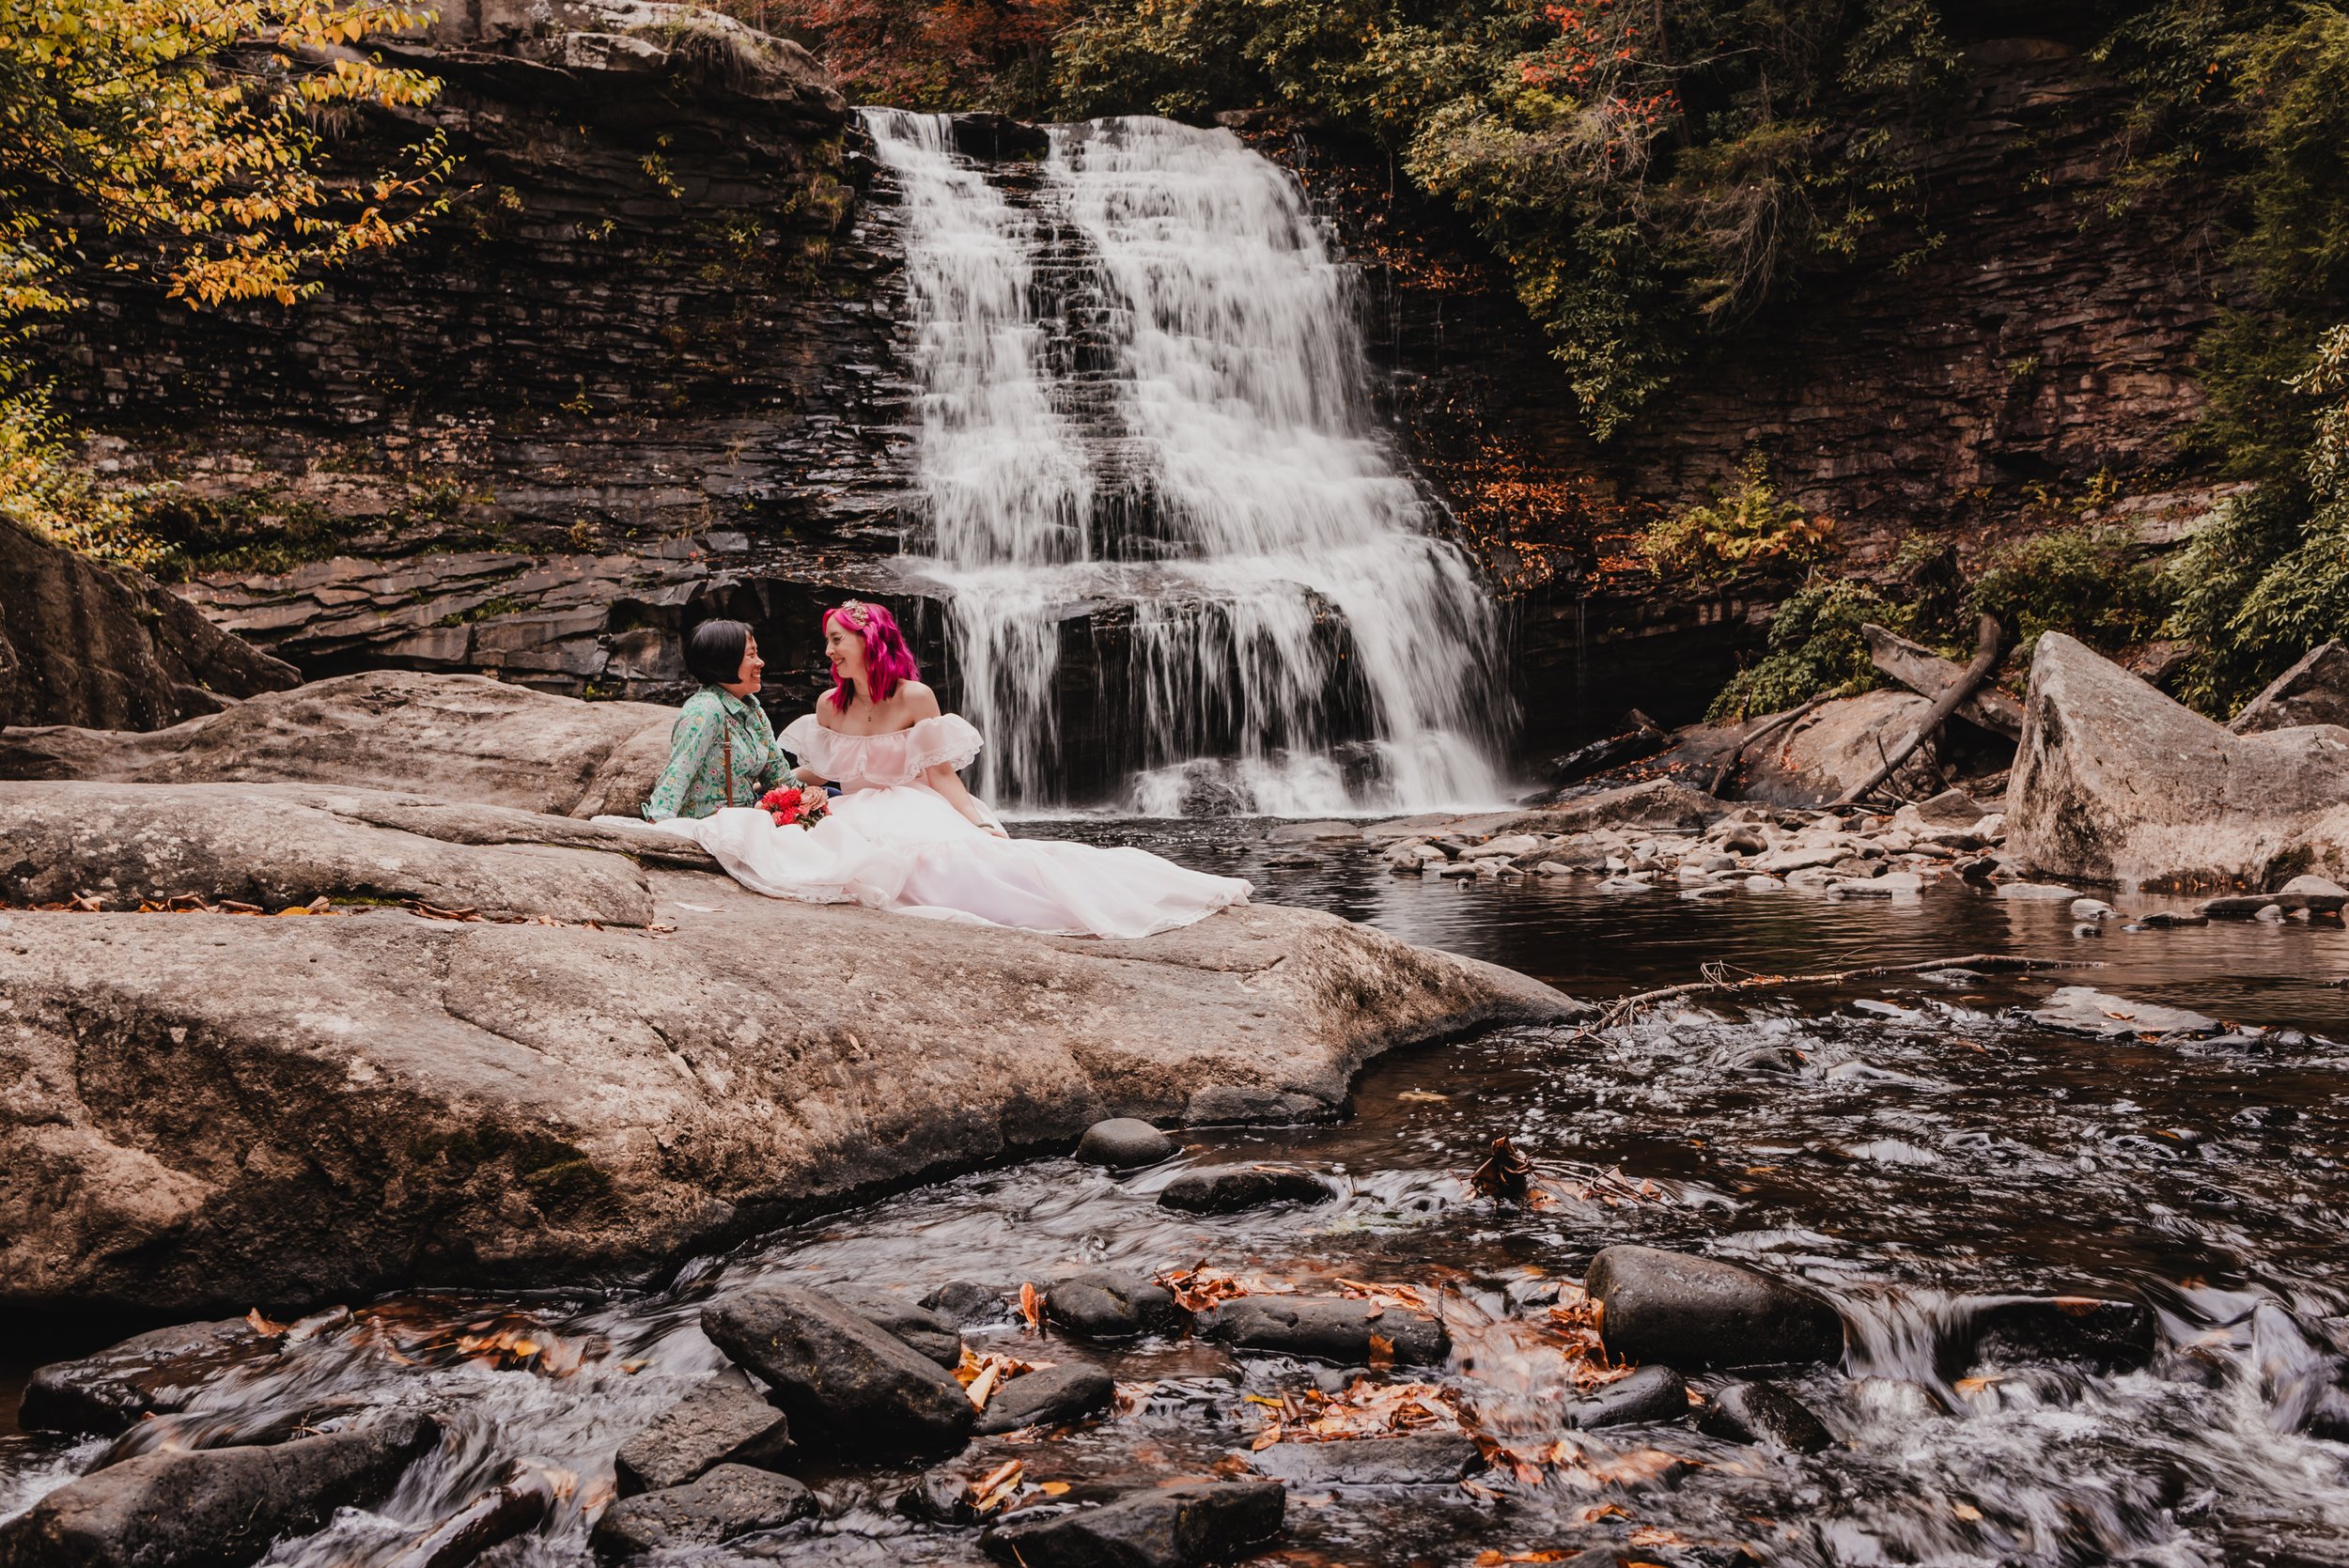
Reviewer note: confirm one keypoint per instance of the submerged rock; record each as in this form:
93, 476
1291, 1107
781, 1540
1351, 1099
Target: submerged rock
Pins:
1653, 1394
1231, 1189
844, 1383
724, 1421
219, 1507
731, 1500
2102, 1332
2116, 782
968, 1305
1707, 1315
1425, 1459
1337, 1330
1110, 1306
1764, 1413
1047, 1397
1124, 1143
148, 1375
1171, 1526
2100, 1014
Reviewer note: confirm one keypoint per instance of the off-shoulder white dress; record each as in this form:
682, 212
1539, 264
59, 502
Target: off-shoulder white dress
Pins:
892, 842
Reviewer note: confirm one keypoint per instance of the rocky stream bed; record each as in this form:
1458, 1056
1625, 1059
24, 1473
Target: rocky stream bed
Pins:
2040, 1297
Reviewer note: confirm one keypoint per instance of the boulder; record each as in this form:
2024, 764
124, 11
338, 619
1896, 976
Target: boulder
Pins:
1168, 1526
843, 1382
2115, 782
730, 1501
1707, 1315
724, 1421
1653, 1394
90, 646
455, 738
2314, 691
1764, 1413
1341, 1330
1110, 1306
1832, 749
282, 844
1124, 1143
2101, 1015
968, 1305
209, 1111
221, 1507
1927, 673
2107, 1334
1231, 1189
153, 1373
1047, 1397
926, 1330
1420, 1459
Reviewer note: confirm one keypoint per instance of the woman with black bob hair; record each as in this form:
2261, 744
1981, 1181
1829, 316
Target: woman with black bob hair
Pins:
722, 750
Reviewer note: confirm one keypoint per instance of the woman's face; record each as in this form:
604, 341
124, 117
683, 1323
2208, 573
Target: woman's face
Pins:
845, 648
747, 679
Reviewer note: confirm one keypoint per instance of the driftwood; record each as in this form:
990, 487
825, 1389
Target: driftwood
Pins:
1644, 739
1986, 659
490, 1519
1927, 673
1728, 769
1717, 979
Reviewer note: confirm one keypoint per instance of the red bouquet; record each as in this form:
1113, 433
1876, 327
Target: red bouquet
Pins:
804, 804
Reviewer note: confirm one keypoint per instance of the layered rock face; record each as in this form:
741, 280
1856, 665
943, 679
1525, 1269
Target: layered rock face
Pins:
657, 311
2115, 782
82, 645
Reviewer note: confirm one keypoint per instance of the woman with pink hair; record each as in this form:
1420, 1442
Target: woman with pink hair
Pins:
905, 834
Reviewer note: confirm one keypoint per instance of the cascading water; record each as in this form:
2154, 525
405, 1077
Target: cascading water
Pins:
1142, 408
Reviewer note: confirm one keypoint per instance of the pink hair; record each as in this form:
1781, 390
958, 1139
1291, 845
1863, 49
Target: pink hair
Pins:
887, 660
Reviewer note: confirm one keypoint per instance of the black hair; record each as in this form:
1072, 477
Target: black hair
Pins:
713, 652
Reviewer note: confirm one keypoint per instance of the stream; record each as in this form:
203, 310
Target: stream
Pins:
1897, 1142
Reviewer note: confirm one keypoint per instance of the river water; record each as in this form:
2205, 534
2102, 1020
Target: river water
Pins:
1898, 1143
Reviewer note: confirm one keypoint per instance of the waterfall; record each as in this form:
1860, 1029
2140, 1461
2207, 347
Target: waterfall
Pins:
1143, 411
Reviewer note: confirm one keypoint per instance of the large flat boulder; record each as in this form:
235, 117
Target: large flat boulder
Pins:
280, 844
2115, 782
210, 1110
82, 643
457, 737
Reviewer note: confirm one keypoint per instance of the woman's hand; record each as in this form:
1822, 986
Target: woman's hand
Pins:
808, 776
995, 828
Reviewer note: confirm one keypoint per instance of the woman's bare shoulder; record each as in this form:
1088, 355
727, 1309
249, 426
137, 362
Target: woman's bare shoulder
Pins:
919, 700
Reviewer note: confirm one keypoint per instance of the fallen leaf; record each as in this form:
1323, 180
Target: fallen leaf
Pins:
262, 1324
1966, 1512
1053, 1488
1381, 1352
1031, 1305
997, 1487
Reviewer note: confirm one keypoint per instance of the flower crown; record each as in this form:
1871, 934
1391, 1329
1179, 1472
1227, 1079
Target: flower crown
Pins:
852, 611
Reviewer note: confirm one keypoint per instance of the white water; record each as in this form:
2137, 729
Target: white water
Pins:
1142, 400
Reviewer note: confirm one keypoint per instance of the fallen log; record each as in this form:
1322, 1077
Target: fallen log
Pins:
1986, 659
1927, 673
1644, 739
1722, 774
1623, 1008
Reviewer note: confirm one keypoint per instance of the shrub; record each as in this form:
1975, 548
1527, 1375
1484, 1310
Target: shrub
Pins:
2092, 582
1815, 647
1747, 527
42, 489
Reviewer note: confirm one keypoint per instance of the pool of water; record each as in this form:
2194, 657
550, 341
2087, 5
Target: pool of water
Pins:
1897, 1141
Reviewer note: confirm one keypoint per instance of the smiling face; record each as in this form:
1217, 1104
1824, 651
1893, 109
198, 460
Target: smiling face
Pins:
845, 646
750, 677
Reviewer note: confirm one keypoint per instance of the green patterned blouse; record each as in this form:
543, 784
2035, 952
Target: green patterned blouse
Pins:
700, 761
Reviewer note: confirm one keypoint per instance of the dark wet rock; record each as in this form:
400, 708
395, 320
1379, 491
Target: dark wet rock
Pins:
2115, 782
151, 1374
724, 1421
2100, 1014
1653, 1394
1338, 1329
1048, 1397
2314, 691
83, 643
1110, 1306
2106, 1334
1764, 1413
1703, 1314
1420, 1460
1124, 1143
968, 1305
1170, 1527
842, 1381
213, 1507
1232, 1188
2164, 919
933, 1334
1775, 1060
731, 1500
938, 1498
